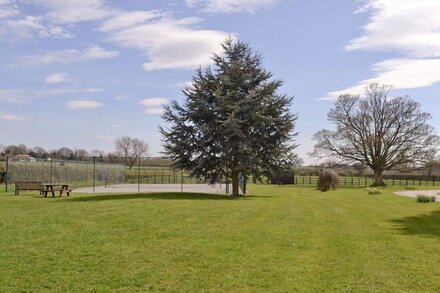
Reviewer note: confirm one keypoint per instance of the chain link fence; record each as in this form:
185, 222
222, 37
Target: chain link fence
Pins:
109, 174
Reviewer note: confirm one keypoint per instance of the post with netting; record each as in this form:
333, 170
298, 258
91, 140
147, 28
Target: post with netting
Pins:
94, 174
7, 174
139, 174
51, 170
181, 180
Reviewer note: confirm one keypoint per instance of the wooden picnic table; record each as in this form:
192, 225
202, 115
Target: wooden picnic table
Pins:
52, 187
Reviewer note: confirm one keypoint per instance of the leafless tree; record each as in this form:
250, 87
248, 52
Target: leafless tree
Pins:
81, 154
131, 149
378, 131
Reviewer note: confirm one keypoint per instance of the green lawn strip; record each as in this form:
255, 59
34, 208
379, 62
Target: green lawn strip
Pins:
279, 239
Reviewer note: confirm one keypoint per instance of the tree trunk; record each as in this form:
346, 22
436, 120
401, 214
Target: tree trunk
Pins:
378, 178
235, 178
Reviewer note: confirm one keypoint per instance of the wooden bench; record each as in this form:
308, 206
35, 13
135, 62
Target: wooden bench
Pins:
28, 185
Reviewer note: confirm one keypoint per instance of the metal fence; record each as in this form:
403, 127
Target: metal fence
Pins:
106, 172
368, 181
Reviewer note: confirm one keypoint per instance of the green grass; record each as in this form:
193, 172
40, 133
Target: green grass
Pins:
281, 239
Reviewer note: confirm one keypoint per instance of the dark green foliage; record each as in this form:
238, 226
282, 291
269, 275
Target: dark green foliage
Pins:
282, 177
425, 198
328, 179
232, 121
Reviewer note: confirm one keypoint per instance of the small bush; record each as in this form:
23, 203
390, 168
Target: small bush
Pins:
425, 198
328, 179
372, 190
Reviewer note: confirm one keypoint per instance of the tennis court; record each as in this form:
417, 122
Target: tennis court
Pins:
132, 188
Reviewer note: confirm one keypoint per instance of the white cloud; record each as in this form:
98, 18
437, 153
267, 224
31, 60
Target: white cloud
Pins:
8, 9
231, 6
155, 111
154, 102
92, 52
121, 97
30, 26
169, 43
154, 105
128, 19
399, 73
104, 138
57, 78
13, 96
12, 117
83, 104
75, 11
67, 90
410, 28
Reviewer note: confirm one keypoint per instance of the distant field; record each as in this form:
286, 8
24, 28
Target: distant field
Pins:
279, 239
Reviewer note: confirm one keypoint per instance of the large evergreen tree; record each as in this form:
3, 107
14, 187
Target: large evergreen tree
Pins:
233, 120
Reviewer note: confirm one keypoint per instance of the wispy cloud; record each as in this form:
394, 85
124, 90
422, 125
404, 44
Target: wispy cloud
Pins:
128, 19
121, 97
154, 105
13, 96
58, 78
92, 52
67, 90
167, 42
8, 9
151, 102
75, 11
231, 6
29, 26
104, 138
409, 28
11, 117
83, 104
400, 73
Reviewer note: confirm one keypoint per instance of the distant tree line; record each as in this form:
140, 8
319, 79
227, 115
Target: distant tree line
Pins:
127, 150
41, 153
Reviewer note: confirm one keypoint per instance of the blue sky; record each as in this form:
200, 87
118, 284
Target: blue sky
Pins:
80, 73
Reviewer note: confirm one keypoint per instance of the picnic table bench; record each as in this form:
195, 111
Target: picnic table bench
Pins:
28, 185
50, 187
43, 188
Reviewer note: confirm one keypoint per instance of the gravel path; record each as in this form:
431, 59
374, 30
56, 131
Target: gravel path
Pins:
414, 193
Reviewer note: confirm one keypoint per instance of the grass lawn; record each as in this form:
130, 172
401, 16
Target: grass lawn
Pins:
279, 239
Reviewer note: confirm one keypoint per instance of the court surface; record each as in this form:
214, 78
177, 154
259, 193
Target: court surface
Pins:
131, 188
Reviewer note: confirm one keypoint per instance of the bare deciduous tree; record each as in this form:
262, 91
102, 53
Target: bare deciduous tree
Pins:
378, 131
131, 149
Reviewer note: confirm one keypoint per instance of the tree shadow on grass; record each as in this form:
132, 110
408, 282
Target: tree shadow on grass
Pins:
425, 224
157, 196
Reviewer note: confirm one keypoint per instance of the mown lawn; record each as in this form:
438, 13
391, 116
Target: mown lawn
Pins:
279, 239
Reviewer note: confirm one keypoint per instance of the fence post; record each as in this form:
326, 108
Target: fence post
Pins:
181, 180
94, 174
51, 170
139, 174
7, 174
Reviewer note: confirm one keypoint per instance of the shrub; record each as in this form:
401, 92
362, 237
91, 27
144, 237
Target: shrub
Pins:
372, 190
328, 179
425, 198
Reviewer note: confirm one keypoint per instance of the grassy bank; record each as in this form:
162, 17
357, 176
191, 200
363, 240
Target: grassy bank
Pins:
278, 239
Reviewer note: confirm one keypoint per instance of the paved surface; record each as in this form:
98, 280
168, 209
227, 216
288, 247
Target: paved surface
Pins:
131, 188
414, 193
